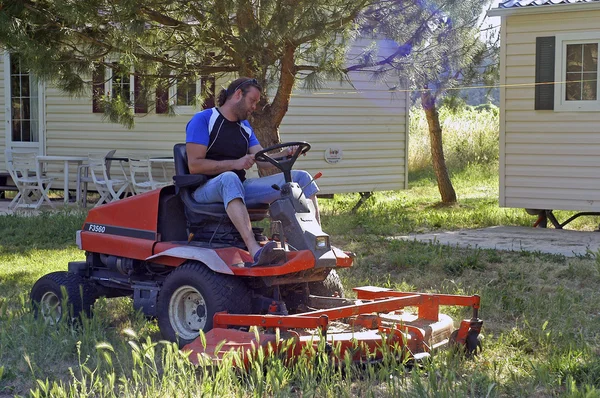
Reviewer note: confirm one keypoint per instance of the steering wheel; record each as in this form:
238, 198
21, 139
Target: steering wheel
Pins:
284, 164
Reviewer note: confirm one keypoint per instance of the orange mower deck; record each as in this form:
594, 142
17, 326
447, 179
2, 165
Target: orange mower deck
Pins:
376, 319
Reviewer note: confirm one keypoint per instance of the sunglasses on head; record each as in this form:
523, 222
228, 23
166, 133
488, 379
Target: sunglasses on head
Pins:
254, 82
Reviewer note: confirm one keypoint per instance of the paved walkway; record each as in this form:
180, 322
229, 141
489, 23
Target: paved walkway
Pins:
555, 241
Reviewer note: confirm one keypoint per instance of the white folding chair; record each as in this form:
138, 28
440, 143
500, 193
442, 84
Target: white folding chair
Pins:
141, 176
26, 172
84, 178
109, 188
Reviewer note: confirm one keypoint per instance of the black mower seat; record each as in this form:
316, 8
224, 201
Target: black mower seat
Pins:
186, 183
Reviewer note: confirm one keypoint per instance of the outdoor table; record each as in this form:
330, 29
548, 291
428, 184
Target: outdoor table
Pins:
66, 160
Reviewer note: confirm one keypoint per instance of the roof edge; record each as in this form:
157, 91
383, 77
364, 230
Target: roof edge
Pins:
543, 9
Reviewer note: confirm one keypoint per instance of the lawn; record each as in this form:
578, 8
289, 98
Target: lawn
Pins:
541, 312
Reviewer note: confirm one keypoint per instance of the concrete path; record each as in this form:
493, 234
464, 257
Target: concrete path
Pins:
566, 242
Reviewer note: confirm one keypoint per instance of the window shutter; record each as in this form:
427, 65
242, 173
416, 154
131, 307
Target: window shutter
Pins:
162, 99
544, 72
140, 97
98, 80
207, 88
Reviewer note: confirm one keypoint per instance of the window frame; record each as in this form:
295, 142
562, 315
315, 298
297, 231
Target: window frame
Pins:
560, 103
184, 109
108, 85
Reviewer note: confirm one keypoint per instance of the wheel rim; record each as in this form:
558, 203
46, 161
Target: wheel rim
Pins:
50, 307
188, 312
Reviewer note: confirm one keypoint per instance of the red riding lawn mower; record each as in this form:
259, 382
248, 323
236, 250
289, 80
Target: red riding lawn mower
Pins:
185, 264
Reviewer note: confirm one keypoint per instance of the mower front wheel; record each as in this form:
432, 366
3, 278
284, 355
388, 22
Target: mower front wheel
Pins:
47, 296
190, 297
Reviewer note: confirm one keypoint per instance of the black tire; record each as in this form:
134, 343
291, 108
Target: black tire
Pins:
330, 287
211, 292
472, 346
47, 296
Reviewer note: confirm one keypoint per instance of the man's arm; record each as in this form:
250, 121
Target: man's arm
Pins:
198, 164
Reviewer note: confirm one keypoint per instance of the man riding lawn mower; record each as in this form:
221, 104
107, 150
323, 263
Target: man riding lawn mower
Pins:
185, 264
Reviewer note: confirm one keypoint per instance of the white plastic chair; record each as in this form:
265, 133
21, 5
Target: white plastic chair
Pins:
141, 176
33, 186
84, 178
109, 188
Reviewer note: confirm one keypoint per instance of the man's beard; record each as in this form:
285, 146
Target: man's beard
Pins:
240, 112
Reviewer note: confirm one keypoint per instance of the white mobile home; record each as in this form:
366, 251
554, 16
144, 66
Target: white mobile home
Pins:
549, 104
358, 134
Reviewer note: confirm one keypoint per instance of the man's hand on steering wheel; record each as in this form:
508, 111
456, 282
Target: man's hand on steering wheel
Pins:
291, 150
294, 149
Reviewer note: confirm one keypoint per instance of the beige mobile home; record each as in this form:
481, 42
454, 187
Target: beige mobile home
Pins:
549, 104
358, 132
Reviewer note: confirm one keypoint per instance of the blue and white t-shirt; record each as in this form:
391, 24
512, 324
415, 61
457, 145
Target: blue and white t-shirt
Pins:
223, 139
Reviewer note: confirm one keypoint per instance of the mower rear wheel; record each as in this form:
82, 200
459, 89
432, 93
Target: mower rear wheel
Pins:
329, 287
190, 297
47, 296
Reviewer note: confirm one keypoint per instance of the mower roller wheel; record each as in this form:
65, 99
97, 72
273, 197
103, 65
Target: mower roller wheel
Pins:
47, 296
472, 345
328, 287
190, 297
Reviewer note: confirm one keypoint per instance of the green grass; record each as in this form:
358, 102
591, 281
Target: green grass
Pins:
541, 311
542, 332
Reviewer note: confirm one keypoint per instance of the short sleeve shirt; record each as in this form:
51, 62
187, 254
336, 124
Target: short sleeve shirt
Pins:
224, 140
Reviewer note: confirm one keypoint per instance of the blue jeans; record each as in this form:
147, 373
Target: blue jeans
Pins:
227, 186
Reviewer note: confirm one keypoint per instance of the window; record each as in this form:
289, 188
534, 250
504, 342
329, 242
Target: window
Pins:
581, 72
24, 101
120, 85
125, 85
185, 92
576, 73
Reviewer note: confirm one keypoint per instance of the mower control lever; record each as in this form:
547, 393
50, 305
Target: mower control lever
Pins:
316, 177
285, 164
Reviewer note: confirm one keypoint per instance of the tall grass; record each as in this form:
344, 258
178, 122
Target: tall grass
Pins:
470, 136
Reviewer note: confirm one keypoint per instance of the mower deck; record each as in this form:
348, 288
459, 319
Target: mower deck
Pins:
377, 318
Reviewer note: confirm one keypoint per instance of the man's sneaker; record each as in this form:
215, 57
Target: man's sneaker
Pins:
269, 254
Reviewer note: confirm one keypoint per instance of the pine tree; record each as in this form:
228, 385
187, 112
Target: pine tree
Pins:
451, 53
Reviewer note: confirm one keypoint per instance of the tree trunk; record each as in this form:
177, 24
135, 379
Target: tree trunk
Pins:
265, 128
266, 119
437, 149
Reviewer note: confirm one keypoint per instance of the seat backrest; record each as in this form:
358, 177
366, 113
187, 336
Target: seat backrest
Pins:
140, 171
180, 159
97, 165
24, 164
